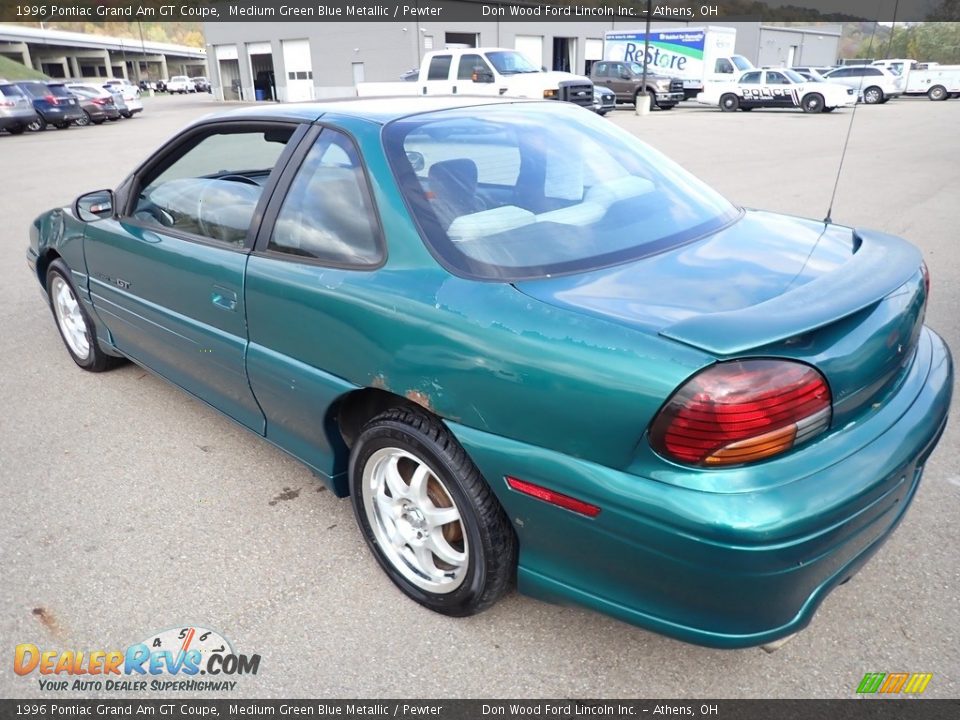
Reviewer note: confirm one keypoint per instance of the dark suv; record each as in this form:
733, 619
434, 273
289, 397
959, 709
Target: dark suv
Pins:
54, 103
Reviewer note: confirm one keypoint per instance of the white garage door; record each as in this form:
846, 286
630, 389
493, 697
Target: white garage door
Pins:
299, 69
530, 46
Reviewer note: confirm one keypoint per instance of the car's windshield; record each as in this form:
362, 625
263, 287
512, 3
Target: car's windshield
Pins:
509, 63
741, 62
795, 76
529, 190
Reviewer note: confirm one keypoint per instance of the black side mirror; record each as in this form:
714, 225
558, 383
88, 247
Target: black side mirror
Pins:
482, 75
417, 161
94, 206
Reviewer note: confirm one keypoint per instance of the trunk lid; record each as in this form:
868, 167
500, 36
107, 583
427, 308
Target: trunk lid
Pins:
849, 302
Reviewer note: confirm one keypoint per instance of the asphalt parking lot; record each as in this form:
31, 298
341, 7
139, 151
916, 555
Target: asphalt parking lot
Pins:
129, 508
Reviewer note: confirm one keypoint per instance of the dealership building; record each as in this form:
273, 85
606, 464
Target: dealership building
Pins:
294, 61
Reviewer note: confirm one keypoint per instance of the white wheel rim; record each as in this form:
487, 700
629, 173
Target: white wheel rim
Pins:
423, 540
69, 318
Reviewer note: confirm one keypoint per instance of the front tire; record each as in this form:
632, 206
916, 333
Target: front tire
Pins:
873, 95
76, 329
85, 120
729, 103
812, 103
428, 516
16, 129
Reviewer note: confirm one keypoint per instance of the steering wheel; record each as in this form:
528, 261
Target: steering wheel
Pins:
242, 179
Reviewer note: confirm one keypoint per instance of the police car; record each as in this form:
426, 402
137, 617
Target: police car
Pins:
779, 88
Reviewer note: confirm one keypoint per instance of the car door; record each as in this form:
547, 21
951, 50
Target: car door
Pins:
439, 71
470, 66
619, 80
782, 91
309, 279
750, 88
167, 272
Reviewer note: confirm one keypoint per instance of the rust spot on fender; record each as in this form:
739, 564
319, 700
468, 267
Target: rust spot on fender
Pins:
419, 398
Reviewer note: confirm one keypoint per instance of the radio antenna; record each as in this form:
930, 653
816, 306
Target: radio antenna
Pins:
846, 142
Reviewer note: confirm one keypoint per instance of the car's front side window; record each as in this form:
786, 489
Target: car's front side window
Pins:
210, 187
327, 214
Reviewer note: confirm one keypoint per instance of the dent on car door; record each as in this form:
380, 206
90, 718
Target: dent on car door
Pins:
166, 275
310, 283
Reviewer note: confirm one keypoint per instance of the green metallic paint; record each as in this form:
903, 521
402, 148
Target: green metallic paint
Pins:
728, 570
555, 382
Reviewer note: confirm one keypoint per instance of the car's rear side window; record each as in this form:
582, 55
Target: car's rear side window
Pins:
439, 68
327, 214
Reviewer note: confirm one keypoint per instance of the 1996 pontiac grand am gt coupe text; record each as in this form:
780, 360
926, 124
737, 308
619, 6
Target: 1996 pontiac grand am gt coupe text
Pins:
526, 345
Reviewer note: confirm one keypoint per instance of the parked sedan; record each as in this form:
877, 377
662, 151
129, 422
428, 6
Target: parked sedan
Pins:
98, 104
16, 109
54, 103
200, 84
526, 346
779, 88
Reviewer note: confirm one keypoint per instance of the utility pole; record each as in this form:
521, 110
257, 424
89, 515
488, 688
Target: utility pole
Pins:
643, 99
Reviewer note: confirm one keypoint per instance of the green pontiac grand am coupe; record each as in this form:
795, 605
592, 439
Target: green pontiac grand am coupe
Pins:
528, 347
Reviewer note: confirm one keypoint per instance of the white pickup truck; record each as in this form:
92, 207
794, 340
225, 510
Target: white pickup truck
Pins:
486, 71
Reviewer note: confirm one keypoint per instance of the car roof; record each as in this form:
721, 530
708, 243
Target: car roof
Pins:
376, 109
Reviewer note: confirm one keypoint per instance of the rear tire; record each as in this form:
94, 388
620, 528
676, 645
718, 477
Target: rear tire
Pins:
61, 125
428, 516
812, 103
85, 120
77, 331
16, 129
729, 103
873, 95
938, 93
37, 125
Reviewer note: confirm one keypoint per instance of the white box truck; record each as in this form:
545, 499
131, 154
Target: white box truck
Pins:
485, 71
696, 55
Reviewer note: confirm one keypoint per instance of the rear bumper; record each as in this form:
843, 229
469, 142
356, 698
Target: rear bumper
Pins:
724, 570
61, 114
16, 118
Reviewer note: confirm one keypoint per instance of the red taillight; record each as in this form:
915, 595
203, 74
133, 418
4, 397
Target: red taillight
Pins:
742, 411
52, 99
100, 101
553, 497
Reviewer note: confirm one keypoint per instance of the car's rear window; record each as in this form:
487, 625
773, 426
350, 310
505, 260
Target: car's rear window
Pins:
10, 91
528, 190
59, 90
34, 89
